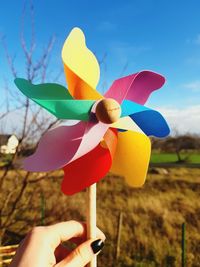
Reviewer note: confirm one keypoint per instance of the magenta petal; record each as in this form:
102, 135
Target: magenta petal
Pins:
64, 144
136, 87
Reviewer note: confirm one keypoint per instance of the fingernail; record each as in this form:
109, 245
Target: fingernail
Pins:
97, 245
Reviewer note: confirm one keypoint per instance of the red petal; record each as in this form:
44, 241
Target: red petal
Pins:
91, 167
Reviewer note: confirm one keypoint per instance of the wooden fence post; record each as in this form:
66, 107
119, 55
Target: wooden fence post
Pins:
119, 229
42, 198
183, 245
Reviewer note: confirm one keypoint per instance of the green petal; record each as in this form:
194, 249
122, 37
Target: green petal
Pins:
56, 99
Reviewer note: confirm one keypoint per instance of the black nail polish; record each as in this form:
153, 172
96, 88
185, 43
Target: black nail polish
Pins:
97, 245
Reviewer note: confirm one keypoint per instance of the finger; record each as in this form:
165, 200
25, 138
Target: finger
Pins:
64, 231
83, 238
83, 254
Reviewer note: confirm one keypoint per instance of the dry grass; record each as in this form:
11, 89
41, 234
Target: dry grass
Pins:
152, 216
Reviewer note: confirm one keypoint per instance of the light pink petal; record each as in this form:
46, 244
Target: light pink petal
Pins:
93, 134
55, 148
136, 87
64, 144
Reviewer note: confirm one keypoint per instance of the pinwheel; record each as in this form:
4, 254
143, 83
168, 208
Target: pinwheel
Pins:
111, 131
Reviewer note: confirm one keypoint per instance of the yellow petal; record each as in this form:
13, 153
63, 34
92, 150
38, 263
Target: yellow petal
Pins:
126, 123
132, 157
81, 67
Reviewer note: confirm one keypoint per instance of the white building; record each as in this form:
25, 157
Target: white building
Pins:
8, 143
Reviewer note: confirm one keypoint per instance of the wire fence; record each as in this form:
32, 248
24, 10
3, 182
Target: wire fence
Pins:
6, 254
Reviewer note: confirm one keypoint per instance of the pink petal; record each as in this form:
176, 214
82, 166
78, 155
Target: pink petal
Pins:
65, 144
136, 87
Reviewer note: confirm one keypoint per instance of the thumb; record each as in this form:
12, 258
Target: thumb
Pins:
83, 254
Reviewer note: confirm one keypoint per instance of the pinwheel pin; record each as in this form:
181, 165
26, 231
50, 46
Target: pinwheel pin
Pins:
112, 131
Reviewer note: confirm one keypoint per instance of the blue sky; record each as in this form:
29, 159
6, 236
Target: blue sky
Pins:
163, 36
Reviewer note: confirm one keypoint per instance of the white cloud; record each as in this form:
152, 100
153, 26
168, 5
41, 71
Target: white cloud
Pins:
194, 86
123, 51
195, 40
106, 26
13, 122
182, 121
194, 61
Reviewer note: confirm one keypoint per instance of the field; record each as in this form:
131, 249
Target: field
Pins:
172, 157
152, 216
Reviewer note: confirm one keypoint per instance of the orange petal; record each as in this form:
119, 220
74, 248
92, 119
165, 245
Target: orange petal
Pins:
81, 67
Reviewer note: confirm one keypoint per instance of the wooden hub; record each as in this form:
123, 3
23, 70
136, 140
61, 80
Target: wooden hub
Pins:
108, 110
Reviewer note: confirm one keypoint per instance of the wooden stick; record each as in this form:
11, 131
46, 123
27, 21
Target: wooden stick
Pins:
91, 218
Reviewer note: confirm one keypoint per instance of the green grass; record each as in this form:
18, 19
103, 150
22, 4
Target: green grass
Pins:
172, 157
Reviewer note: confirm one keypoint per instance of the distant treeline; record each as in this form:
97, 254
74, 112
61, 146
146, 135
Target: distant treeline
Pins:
186, 144
176, 143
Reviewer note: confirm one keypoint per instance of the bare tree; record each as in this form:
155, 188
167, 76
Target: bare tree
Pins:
21, 190
14, 183
177, 144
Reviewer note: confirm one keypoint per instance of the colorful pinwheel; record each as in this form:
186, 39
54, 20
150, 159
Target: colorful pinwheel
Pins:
100, 141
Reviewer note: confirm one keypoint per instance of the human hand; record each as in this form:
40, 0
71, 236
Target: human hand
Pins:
42, 247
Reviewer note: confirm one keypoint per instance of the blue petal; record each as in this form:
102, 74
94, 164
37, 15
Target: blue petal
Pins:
150, 121
129, 107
